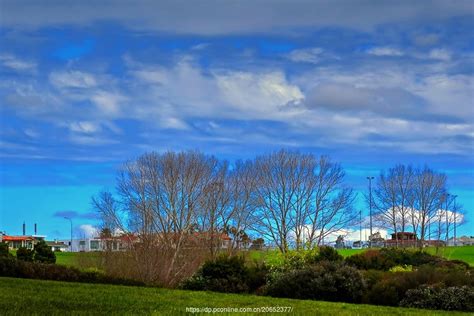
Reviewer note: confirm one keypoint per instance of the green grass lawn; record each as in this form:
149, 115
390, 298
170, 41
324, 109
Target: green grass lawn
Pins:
26, 297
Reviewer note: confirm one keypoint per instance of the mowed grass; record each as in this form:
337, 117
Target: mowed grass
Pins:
26, 297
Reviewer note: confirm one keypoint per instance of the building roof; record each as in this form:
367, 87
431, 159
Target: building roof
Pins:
17, 238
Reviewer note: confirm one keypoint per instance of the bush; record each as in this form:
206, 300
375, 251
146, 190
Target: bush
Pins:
43, 253
325, 253
387, 258
4, 252
257, 277
389, 288
450, 298
10, 267
330, 281
371, 259
224, 274
24, 254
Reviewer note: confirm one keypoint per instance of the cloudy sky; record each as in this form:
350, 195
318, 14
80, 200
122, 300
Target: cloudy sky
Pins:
86, 85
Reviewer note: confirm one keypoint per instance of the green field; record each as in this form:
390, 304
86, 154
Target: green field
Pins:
26, 297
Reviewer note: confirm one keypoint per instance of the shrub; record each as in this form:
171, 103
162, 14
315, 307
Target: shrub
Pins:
450, 298
257, 277
224, 274
387, 258
43, 253
330, 281
387, 288
4, 252
24, 254
371, 259
403, 268
325, 253
10, 267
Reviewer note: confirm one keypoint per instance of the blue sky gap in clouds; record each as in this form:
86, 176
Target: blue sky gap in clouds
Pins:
86, 86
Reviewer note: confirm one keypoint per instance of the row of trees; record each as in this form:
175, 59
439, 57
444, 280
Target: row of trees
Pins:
286, 197
417, 200
294, 200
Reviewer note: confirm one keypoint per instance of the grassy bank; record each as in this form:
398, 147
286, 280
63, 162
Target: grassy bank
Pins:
26, 297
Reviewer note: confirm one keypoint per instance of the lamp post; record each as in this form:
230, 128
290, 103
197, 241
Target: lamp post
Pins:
447, 218
454, 210
70, 220
370, 208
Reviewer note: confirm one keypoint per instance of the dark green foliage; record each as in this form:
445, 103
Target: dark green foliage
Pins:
224, 274
387, 258
4, 250
326, 253
9, 267
43, 253
24, 254
387, 288
257, 277
450, 298
330, 281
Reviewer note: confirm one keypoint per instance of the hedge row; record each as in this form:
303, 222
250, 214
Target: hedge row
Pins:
10, 267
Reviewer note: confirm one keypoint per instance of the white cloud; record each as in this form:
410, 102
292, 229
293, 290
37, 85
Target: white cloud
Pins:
185, 90
86, 127
385, 51
72, 79
108, 103
12, 62
307, 55
88, 231
440, 54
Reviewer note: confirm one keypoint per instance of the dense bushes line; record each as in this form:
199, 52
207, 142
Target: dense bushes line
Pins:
9, 267
387, 258
434, 283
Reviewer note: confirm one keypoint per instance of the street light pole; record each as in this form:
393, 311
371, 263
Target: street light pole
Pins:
70, 220
370, 208
455, 220
447, 218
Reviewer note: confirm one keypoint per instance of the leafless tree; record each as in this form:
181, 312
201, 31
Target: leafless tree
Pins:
300, 196
393, 198
242, 184
331, 202
429, 191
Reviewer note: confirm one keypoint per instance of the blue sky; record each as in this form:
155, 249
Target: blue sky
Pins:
85, 86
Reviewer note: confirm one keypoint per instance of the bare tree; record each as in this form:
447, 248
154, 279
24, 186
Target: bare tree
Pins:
161, 198
242, 184
393, 198
331, 202
281, 176
301, 197
429, 190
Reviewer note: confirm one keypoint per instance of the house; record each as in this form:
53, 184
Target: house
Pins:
15, 242
461, 241
57, 246
112, 243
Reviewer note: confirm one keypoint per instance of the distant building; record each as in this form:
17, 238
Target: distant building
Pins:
461, 241
15, 242
57, 245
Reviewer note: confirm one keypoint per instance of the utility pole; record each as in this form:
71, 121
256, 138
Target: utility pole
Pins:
447, 218
70, 220
360, 235
454, 210
370, 208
